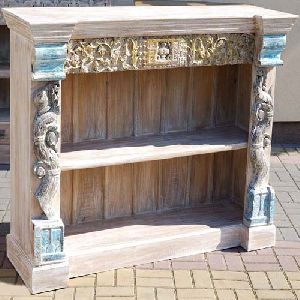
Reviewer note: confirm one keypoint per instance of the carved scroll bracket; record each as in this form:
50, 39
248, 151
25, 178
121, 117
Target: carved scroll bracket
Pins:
46, 139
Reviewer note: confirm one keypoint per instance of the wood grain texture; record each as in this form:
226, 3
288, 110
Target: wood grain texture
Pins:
66, 197
120, 99
203, 90
244, 96
149, 96
222, 176
89, 107
201, 180
226, 95
176, 106
88, 195
118, 191
239, 172
67, 97
173, 183
145, 187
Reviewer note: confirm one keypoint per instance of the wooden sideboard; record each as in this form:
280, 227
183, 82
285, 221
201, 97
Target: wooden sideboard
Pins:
4, 59
139, 134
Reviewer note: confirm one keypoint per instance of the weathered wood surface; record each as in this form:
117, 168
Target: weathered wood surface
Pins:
131, 150
111, 244
61, 24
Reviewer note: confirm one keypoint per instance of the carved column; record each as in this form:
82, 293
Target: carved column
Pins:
48, 67
258, 230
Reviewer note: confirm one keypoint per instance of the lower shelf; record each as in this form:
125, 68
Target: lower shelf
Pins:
100, 246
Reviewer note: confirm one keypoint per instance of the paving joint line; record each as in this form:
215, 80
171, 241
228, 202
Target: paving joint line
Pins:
211, 277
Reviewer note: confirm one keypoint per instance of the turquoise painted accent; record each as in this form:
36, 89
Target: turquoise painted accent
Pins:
48, 241
273, 46
260, 206
49, 62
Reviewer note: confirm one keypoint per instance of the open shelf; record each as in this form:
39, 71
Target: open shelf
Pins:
4, 71
105, 245
146, 148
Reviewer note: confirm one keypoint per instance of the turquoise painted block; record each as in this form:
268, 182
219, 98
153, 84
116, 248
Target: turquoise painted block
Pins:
260, 206
49, 62
273, 46
48, 241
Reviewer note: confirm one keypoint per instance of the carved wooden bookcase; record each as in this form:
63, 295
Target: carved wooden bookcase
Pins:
4, 59
139, 134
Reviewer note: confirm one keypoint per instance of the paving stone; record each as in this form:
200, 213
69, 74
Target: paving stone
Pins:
275, 294
155, 282
5, 298
165, 294
115, 298
262, 267
84, 293
112, 291
106, 278
125, 277
82, 281
32, 297
287, 245
202, 279
278, 281
293, 275
295, 285
183, 279
226, 295
65, 294
288, 263
195, 265
145, 293
216, 261
260, 259
234, 263
287, 251
259, 280
229, 275
245, 295
189, 294
232, 284
8, 288
154, 273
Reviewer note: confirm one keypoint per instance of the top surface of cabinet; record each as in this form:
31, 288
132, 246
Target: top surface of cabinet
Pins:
54, 24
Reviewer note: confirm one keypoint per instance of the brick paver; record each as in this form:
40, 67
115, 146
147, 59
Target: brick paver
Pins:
230, 274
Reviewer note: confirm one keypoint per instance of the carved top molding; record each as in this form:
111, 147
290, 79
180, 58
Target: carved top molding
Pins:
119, 54
55, 25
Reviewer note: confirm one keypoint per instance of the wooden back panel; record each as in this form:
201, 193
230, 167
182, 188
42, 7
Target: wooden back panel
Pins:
121, 104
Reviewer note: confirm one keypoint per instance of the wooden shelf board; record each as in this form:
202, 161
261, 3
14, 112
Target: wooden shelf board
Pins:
104, 245
146, 148
4, 71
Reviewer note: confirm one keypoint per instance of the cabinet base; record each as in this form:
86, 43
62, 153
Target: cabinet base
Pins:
37, 279
254, 238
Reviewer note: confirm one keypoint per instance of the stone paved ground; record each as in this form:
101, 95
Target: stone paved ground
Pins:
231, 274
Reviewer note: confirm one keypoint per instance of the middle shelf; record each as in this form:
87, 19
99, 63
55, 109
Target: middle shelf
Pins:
102, 153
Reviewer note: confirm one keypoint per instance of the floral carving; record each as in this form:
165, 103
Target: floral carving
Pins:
46, 138
132, 53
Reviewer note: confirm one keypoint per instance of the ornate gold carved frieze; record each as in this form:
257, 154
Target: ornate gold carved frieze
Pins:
141, 53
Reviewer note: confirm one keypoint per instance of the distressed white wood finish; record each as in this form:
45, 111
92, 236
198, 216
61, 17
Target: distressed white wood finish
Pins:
112, 244
49, 25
